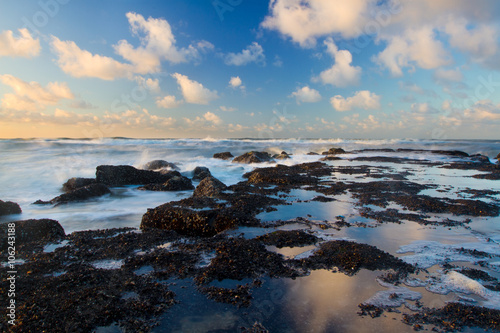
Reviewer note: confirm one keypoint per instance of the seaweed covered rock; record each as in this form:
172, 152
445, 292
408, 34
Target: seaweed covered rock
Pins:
301, 174
334, 151
30, 231
254, 157
80, 194
9, 207
119, 175
186, 221
77, 182
209, 187
200, 173
159, 164
176, 183
223, 156
330, 158
288, 238
349, 257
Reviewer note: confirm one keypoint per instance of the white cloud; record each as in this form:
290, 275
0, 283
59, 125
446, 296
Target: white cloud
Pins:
341, 74
231, 128
306, 95
193, 91
168, 102
448, 75
82, 105
277, 61
138, 119
23, 45
150, 84
413, 47
305, 20
423, 108
362, 99
253, 53
483, 111
236, 82
213, 118
157, 43
209, 121
227, 109
31, 96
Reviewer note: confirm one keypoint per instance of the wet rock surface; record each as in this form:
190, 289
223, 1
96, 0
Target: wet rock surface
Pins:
199, 173
77, 182
93, 190
9, 207
176, 183
253, 157
159, 164
282, 156
209, 187
29, 233
223, 156
120, 175
334, 151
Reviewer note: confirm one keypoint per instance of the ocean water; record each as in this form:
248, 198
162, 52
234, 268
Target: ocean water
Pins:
36, 169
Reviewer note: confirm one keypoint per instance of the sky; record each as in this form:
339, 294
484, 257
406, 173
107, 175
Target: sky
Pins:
375, 69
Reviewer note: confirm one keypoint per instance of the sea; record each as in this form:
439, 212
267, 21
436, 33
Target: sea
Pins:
35, 169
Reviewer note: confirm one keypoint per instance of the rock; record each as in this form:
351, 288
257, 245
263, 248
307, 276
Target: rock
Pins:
498, 157
209, 187
119, 175
254, 157
77, 182
32, 231
312, 153
176, 183
334, 151
189, 222
480, 158
200, 173
80, 194
159, 164
223, 156
282, 156
330, 158
9, 207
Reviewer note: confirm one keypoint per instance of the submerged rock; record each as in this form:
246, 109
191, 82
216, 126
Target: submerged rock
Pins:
254, 157
176, 183
330, 158
334, 151
200, 173
9, 207
119, 175
223, 156
159, 164
77, 182
209, 187
282, 156
80, 194
29, 231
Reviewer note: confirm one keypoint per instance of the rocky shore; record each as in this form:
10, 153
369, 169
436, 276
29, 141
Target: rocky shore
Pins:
88, 279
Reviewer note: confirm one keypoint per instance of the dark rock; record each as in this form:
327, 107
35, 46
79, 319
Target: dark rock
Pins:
119, 175
176, 183
334, 151
187, 221
330, 158
288, 238
256, 328
295, 175
159, 164
480, 158
312, 153
80, 194
224, 156
239, 296
254, 157
200, 173
282, 156
9, 207
29, 231
77, 182
209, 187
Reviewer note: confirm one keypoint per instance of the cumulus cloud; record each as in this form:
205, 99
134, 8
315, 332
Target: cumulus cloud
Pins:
150, 84
168, 102
227, 109
306, 95
208, 121
341, 74
157, 44
235, 82
253, 53
362, 99
31, 95
423, 108
305, 20
23, 45
483, 111
414, 47
193, 91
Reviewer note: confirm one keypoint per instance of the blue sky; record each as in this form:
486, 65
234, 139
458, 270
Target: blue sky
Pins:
239, 68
